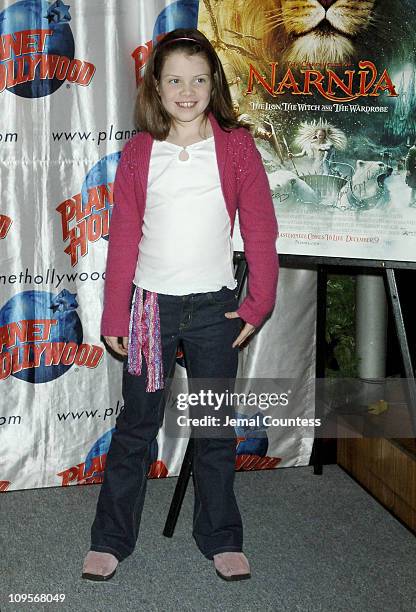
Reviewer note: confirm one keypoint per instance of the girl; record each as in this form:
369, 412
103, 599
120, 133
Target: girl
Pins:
179, 183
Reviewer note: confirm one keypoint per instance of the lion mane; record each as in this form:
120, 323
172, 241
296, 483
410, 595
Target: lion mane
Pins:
295, 31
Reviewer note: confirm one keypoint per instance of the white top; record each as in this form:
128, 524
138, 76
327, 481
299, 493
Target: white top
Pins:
186, 245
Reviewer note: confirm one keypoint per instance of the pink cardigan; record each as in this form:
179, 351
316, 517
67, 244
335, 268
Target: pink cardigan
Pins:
245, 187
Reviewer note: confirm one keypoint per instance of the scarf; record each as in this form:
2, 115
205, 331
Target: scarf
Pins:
144, 339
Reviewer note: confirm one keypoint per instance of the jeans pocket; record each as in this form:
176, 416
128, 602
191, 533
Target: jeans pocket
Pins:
224, 296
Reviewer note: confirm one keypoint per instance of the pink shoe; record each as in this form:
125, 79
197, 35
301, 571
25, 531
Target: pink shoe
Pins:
99, 566
232, 566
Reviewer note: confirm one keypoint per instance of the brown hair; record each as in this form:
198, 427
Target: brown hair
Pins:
150, 115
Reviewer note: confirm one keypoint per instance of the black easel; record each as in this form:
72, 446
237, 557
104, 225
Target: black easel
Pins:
357, 266
322, 265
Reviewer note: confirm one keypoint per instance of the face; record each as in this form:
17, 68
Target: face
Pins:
185, 86
321, 135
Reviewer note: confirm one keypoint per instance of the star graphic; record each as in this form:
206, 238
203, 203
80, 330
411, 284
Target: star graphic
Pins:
58, 12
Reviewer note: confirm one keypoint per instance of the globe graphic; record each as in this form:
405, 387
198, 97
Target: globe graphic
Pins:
255, 440
35, 305
32, 15
101, 446
253, 446
181, 14
102, 173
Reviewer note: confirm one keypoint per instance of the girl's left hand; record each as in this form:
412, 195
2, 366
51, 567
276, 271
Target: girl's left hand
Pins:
247, 330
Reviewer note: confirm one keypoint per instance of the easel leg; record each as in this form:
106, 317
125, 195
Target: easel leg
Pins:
396, 309
322, 277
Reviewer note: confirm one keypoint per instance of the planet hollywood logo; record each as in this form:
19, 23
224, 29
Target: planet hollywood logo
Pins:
4, 485
178, 14
5, 224
37, 49
91, 471
141, 55
41, 337
252, 445
86, 216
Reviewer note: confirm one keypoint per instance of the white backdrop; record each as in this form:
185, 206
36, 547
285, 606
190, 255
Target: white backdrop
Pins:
68, 77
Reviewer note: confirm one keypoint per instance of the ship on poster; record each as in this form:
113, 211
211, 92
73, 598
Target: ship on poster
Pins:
328, 89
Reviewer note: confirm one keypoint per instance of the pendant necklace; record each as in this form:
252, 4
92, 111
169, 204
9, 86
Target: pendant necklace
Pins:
184, 155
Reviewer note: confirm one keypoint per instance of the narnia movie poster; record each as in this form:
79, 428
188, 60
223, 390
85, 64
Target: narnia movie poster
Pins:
328, 90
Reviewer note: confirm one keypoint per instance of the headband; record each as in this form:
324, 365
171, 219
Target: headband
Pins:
181, 38
163, 42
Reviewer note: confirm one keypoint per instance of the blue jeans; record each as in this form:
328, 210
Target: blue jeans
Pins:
198, 321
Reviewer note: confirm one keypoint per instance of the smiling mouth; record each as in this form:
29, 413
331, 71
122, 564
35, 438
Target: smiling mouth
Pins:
186, 104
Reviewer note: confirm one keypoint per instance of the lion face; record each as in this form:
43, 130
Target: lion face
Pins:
309, 31
319, 34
